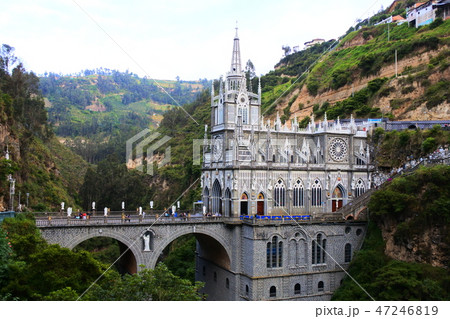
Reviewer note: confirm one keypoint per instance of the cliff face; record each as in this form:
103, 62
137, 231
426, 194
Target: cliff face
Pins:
413, 64
403, 103
427, 247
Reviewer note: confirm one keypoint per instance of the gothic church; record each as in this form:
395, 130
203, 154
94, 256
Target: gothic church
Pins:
256, 167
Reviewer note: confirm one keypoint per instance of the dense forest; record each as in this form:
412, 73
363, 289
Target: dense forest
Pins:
31, 269
415, 204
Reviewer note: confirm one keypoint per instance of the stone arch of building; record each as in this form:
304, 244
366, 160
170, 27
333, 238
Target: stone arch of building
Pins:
337, 197
219, 243
298, 234
261, 203
244, 203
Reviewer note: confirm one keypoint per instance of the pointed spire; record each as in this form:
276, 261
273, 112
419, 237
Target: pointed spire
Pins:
352, 124
338, 124
221, 85
259, 89
236, 57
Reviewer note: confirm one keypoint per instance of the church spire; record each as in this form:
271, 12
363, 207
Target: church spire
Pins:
236, 58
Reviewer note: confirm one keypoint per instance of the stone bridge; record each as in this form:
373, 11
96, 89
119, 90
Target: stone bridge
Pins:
243, 258
144, 239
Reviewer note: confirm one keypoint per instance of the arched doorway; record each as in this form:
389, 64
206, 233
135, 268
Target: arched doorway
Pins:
244, 204
337, 198
261, 203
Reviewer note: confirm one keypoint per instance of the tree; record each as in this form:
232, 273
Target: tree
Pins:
7, 58
36, 270
111, 183
5, 255
157, 284
286, 49
24, 236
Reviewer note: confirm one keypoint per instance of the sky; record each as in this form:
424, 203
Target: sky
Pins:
164, 39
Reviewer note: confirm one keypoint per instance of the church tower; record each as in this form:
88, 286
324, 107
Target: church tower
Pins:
234, 105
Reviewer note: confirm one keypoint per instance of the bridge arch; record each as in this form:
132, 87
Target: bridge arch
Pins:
133, 246
204, 237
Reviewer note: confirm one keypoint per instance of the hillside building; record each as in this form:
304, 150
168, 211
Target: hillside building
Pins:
313, 42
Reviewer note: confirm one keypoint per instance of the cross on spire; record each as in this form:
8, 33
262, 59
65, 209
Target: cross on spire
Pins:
236, 58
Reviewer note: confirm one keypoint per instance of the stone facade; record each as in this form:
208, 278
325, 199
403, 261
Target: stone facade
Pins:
251, 167
295, 277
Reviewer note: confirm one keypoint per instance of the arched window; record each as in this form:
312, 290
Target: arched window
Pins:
279, 194
273, 291
316, 194
216, 198
244, 115
274, 253
320, 286
215, 276
299, 194
318, 250
347, 253
246, 290
359, 188
227, 283
297, 289
228, 202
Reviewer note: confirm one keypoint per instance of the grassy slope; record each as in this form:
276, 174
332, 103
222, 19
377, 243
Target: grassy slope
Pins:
348, 64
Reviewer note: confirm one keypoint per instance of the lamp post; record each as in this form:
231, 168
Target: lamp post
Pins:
151, 207
28, 195
123, 212
12, 188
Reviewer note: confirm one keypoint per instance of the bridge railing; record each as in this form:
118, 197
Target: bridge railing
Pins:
55, 219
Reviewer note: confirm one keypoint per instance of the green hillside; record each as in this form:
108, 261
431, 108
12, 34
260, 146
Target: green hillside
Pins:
99, 109
40, 165
323, 73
